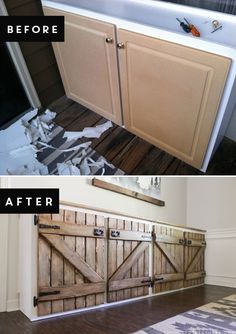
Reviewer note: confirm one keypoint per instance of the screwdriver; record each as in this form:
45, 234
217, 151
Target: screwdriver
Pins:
193, 29
184, 26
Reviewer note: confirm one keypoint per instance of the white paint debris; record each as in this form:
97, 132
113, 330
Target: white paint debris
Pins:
74, 148
90, 132
67, 168
23, 162
21, 142
40, 127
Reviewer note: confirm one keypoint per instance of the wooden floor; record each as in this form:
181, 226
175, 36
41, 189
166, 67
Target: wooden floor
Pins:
133, 155
125, 318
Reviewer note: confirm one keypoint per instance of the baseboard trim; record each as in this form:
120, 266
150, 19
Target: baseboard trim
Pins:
12, 305
221, 281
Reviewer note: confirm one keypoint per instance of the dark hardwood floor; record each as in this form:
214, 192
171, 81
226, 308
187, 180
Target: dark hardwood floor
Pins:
125, 318
133, 155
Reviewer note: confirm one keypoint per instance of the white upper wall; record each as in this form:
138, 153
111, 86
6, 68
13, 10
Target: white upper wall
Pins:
79, 190
211, 202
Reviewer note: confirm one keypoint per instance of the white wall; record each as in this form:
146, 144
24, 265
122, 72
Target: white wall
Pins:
80, 190
211, 205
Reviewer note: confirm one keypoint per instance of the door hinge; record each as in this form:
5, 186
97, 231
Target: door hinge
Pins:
36, 220
35, 301
154, 236
159, 279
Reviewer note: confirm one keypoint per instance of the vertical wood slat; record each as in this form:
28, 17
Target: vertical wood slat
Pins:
69, 271
140, 290
134, 270
127, 251
80, 249
44, 271
120, 255
90, 255
57, 269
112, 259
100, 258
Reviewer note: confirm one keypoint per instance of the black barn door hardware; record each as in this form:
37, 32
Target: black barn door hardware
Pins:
54, 227
49, 293
115, 234
98, 232
149, 281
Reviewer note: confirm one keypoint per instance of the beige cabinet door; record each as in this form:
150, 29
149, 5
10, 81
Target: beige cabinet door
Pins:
88, 64
170, 93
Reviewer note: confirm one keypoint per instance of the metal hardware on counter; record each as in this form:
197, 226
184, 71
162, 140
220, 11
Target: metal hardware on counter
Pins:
184, 26
109, 40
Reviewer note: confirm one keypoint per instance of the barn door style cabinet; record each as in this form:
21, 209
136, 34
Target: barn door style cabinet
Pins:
170, 94
87, 259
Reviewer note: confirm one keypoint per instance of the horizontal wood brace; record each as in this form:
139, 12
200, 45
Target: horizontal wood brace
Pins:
168, 277
129, 235
77, 290
129, 283
199, 274
75, 230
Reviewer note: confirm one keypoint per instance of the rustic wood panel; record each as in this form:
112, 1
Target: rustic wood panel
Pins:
127, 270
124, 191
39, 56
194, 259
74, 271
168, 257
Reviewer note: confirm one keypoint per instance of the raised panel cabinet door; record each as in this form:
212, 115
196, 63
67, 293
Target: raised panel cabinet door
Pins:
87, 62
128, 259
195, 245
71, 261
170, 93
168, 259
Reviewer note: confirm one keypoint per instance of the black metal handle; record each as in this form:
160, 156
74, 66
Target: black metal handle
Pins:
159, 279
98, 232
181, 241
189, 242
115, 234
54, 227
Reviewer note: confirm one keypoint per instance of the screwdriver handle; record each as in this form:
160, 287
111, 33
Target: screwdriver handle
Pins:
194, 31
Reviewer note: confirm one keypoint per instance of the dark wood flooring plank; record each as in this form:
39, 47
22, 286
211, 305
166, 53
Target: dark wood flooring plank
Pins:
122, 319
86, 119
61, 104
70, 115
155, 163
114, 143
131, 156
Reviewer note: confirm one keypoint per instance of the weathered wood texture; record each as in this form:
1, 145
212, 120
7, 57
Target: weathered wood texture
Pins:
71, 262
128, 260
133, 155
39, 56
194, 259
168, 259
121, 190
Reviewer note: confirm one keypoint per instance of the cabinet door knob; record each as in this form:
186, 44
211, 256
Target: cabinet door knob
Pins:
120, 45
109, 40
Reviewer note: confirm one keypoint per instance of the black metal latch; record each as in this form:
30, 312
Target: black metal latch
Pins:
115, 234
54, 227
98, 232
149, 281
189, 242
158, 279
49, 293
181, 241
